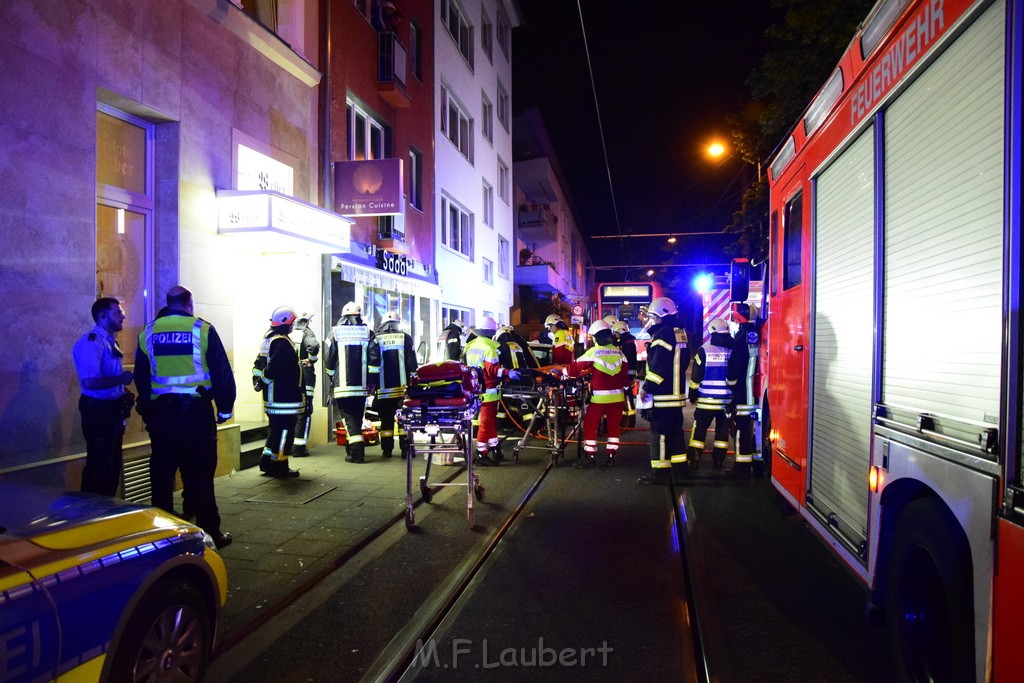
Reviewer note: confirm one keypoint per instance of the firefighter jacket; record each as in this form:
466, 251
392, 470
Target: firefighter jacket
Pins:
608, 370
451, 342
561, 352
277, 372
667, 358
743, 366
627, 343
514, 351
392, 359
346, 358
712, 378
309, 353
482, 353
182, 354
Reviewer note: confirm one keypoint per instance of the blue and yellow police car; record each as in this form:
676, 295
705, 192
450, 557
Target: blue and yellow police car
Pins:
96, 589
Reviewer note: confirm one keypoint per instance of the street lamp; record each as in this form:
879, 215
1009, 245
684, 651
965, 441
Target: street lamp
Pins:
715, 149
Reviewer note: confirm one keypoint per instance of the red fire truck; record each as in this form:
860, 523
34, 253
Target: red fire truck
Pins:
893, 344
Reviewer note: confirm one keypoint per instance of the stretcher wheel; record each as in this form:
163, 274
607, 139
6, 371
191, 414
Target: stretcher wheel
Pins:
479, 492
425, 491
410, 518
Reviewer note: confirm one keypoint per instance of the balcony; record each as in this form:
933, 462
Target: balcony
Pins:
539, 274
391, 70
391, 235
537, 225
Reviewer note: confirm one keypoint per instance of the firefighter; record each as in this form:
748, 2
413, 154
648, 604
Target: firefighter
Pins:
711, 383
309, 352
482, 353
609, 375
392, 359
664, 387
514, 354
561, 351
277, 373
346, 362
451, 340
743, 360
627, 344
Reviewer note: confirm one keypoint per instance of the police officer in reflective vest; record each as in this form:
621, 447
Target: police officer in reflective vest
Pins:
392, 359
180, 368
482, 353
347, 363
277, 373
665, 386
309, 352
743, 359
711, 383
609, 378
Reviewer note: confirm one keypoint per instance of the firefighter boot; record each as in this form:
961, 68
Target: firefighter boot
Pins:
276, 468
656, 477
585, 462
740, 470
680, 472
496, 454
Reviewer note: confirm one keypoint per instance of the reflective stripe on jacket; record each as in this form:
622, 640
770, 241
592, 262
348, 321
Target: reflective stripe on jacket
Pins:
176, 346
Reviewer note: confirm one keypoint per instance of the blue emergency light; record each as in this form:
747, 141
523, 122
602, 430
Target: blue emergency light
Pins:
703, 282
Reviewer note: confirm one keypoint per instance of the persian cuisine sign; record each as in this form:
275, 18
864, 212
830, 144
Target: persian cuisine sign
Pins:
368, 188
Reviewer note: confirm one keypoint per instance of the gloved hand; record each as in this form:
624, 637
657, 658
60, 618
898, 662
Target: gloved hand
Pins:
514, 375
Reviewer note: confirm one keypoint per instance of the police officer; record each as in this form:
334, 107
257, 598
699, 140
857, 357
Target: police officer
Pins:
711, 382
309, 352
451, 340
561, 342
627, 344
665, 384
609, 378
105, 403
743, 361
482, 353
346, 361
277, 373
392, 359
180, 368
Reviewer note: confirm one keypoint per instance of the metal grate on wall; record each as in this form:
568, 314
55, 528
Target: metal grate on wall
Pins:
136, 481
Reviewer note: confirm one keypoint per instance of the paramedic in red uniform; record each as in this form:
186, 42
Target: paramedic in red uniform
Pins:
609, 378
665, 383
561, 351
711, 383
482, 353
392, 359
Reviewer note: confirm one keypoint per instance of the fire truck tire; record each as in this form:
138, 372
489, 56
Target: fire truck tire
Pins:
764, 468
929, 605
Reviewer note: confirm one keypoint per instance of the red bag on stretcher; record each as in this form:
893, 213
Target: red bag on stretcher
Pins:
448, 383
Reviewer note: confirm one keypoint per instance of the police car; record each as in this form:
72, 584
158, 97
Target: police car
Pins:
92, 588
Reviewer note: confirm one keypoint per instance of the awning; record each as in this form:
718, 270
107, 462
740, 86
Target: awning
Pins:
271, 222
372, 277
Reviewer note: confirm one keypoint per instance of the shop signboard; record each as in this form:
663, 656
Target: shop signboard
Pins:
372, 187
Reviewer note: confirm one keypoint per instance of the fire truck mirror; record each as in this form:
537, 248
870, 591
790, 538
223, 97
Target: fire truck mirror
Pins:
739, 279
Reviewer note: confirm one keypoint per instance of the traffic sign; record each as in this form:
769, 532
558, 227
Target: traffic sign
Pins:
577, 309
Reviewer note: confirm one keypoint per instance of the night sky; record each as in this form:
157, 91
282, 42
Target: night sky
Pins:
666, 74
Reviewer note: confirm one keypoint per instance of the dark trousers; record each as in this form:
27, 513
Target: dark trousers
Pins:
302, 426
702, 419
280, 437
351, 409
184, 436
744, 437
103, 428
668, 445
386, 409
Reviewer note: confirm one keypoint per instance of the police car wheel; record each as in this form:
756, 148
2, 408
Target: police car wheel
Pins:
168, 636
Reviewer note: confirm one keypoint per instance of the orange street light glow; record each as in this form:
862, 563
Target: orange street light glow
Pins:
716, 149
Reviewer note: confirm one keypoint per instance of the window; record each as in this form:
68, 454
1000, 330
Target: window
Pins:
416, 178
503, 180
793, 228
454, 19
456, 125
124, 217
772, 260
488, 270
487, 115
488, 204
416, 50
504, 254
367, 138
456, 228
450, 313
503, 106
504, 32
487, 36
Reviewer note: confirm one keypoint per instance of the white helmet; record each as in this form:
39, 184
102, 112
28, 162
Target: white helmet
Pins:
487, 324
282, 316
351, 308
610, 319
390, 317
458, 323
599, 326
718, 326
504, 329
620, 327
661, 307
552, 320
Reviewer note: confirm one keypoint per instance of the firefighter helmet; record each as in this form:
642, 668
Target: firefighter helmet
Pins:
620, 327
661, 307
390, 317
282, 316
504, 329
351, 308
717, 326
598, 326
305, 316
552, 320
487, 324
610, 319
459, 324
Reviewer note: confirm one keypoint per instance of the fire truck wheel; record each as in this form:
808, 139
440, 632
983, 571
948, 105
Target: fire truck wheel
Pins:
766, 443
929, 607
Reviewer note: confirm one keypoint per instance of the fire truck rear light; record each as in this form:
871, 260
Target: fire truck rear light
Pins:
773, 436
873, 477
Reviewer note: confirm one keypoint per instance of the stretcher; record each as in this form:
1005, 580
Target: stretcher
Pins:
556, 402
437, 415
